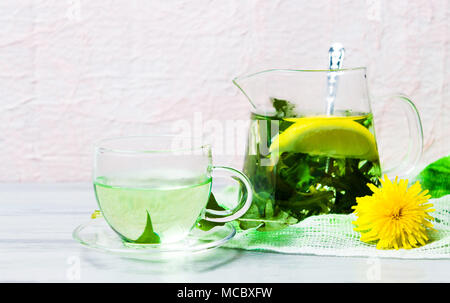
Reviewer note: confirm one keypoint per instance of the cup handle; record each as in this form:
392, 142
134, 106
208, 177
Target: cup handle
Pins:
415, 146
246, 200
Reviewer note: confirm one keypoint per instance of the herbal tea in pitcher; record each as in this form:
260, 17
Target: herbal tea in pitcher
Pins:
311, 145
312, 165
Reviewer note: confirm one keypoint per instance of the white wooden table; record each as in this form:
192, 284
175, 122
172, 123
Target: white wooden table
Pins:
37, 220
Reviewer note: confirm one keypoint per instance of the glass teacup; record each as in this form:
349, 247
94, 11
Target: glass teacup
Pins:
150, 192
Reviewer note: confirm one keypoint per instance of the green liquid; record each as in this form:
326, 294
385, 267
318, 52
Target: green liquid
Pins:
174, 205
300, 185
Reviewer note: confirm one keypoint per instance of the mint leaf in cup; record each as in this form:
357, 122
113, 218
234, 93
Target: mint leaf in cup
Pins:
148, 236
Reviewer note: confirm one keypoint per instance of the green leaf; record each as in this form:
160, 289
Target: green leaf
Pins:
251, 219
278, 220
213, 205
148, 236
284, 108
265, 215
281, 220
436, 177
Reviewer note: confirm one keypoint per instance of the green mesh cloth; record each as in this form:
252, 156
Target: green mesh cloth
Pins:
333, 235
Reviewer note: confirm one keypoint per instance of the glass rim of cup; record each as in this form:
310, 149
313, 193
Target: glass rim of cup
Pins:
101, 147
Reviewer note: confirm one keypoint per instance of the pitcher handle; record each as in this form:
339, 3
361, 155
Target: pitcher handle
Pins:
246, 198
415, 146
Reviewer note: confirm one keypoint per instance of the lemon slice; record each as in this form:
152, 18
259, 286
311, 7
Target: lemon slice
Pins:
337, 137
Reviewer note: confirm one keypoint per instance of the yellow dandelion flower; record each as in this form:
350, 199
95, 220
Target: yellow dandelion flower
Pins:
394, 216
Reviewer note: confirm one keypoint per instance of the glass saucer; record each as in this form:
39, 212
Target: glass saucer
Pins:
97, 234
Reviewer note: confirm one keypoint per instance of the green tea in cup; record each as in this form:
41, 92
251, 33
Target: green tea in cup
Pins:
150, 192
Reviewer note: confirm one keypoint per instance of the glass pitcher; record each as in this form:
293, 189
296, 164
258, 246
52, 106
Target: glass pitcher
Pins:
309, 155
